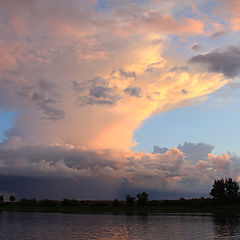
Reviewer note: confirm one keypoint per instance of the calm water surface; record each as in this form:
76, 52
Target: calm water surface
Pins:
44, 226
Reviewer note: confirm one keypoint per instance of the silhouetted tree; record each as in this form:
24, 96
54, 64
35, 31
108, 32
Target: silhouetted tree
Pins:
116, 202
12, 198
218, 190
130, 200
1, 198
231, 189
225, 190
142, 198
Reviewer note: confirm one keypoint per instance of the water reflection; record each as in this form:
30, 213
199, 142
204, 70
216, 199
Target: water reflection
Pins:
227, 226
45, 226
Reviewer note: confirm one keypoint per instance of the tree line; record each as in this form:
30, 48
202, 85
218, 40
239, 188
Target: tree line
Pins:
11, 198
141, 200
223, 190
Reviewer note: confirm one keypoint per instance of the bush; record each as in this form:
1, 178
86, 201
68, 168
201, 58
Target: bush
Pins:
116, 203
130, 200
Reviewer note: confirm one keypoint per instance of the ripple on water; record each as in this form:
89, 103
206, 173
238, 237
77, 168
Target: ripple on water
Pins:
49, 226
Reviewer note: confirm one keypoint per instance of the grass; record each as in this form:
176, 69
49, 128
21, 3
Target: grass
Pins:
203, 205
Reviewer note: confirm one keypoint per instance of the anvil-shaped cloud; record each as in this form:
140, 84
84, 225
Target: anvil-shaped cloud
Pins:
85, 74
77, 77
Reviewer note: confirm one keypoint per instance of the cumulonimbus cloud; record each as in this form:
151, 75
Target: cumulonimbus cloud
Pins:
86, 78
81, 82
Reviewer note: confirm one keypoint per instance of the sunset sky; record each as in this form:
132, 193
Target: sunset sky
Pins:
101, 98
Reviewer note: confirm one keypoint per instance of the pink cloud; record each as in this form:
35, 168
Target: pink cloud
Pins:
167, 172
167, 24
221, 163
72, 78
230, 11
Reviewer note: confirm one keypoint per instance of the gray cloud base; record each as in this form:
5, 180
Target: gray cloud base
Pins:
39, 171
226, 62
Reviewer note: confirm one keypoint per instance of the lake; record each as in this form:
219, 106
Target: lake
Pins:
44, 226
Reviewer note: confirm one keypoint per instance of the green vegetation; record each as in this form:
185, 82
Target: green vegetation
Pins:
226, 199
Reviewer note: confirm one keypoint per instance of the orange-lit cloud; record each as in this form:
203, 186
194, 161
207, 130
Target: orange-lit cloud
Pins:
84, 85
234, 13
168, 24
173, 171
83, 76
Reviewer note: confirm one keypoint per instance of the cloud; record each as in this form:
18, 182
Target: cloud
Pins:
82, 79
100, 95
196, 47
184, 91
133, 91
127, 74
11, 143
218, 34
96, 92
167, 24
195, 151
222, 163
46, 105
166, 172
226, 62
157, 149
89, 78
233, 13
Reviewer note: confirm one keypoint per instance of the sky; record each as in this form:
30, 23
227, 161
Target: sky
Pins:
103, 98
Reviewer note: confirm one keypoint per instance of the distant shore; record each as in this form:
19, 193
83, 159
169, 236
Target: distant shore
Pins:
121, 207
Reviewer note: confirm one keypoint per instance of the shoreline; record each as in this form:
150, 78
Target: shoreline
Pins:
192, 206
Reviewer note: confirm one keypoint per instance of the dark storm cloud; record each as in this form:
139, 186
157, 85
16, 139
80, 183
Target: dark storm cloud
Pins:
226, 62
73, 158
191, 169
133, 91
58, 188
